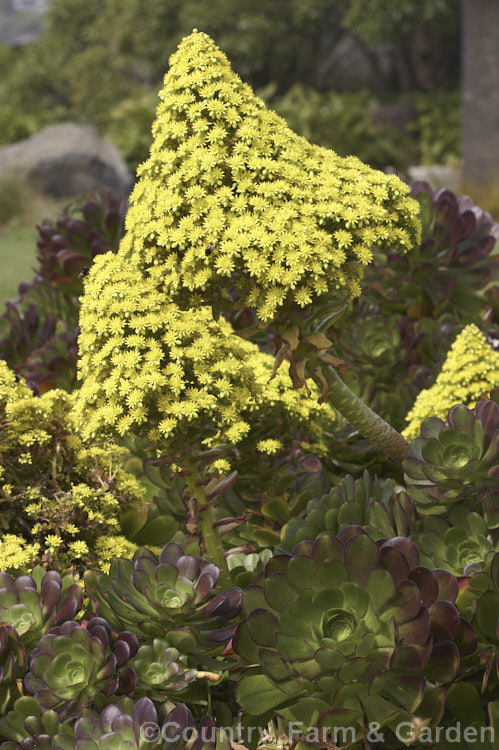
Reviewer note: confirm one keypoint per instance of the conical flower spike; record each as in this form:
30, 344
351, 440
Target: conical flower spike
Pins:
235, 208
471, 369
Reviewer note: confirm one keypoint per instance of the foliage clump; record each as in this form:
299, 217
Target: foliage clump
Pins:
353, 626
58, 495
470, 370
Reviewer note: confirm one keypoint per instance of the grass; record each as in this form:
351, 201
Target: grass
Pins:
17, 259
20, 212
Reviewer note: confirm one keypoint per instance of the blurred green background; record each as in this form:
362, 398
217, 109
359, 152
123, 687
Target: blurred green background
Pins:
378, 79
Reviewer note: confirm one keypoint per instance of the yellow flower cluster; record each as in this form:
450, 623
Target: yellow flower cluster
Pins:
471, 368
232, 205
16, 554
57, 494
11, 389
180, 377
109, 548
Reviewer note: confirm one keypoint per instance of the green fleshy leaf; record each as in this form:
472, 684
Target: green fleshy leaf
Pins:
257, 695
157, 532
277, 510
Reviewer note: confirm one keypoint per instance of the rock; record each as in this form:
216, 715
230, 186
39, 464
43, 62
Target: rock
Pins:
438, 175
66, 160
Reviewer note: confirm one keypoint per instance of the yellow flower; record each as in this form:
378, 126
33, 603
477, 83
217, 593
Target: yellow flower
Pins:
269, 446
78, 549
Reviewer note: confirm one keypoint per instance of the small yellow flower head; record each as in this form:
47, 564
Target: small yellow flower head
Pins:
52, 543
234, 208
269, 446
471, 368
79, 549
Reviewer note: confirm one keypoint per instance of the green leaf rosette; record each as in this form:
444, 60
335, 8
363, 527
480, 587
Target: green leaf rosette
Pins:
348, 631
167, 594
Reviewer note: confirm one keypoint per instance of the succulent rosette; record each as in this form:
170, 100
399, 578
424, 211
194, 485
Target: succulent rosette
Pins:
479, 600
12, 666
160, 670
73, 664
181, 731
33, 604
348, 631
457, 460
370, 502
449, 269
458, 543
86, 228
168, 594
29, 727
125, 725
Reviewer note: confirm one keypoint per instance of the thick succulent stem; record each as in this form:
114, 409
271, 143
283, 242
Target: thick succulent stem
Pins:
369, 424
206, 524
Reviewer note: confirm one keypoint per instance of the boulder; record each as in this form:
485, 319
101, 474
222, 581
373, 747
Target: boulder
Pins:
437, 175
66, 160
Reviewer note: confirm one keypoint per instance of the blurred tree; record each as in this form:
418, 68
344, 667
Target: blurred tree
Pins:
480, 94
95, 56
423, 35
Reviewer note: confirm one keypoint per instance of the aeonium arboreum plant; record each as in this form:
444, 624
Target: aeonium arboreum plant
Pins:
170, 594
347, 631
369, 502
28, 726
234, 211
457, 461
457, 542
126, 724
136, 726
38, 330
32, 604
74, 665
161, 671
448, 270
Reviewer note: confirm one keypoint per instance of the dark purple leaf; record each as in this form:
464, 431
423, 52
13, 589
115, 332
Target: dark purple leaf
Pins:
445, 621
427, 583
443, 663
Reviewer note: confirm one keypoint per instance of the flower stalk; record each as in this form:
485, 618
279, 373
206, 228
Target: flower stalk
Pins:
370, 425
206, 524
